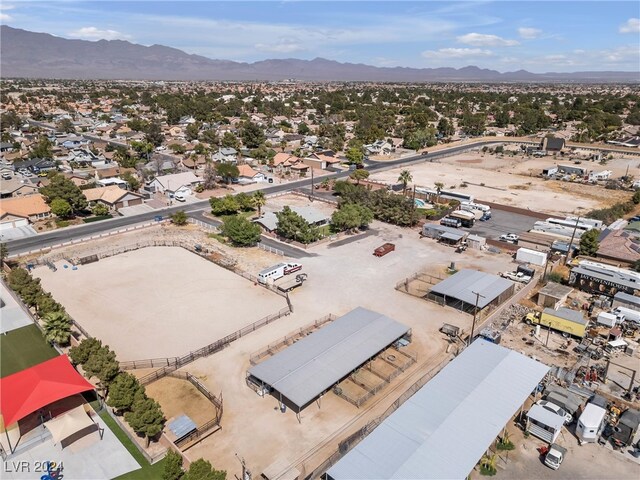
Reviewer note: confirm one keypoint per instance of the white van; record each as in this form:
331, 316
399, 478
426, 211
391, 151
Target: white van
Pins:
590, 424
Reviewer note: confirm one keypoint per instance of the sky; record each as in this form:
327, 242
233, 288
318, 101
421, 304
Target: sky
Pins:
540, 36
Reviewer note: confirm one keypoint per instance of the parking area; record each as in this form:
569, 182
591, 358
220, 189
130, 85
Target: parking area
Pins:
503, 222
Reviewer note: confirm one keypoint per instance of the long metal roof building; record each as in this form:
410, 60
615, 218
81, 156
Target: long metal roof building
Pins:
304, 370
462, 284
443, 430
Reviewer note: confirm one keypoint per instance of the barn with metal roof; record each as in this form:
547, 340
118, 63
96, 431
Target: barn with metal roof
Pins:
444, 429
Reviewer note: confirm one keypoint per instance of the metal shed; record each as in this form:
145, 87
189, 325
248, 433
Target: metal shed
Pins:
463, 289
544, 424
552, 295
444, 429
303, 371
622, 299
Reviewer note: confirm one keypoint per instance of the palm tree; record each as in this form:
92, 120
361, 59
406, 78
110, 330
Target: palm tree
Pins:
4, 252
439, 187
404, 178
57, 327
259, 201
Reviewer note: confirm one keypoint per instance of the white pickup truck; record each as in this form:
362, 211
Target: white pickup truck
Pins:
516, 277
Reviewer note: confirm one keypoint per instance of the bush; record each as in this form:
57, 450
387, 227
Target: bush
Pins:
179, 218
241, 232
555, 277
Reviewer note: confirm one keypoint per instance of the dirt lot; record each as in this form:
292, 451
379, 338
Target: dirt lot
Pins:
178, 397
340, 279
138, 301
277, 203
512, 181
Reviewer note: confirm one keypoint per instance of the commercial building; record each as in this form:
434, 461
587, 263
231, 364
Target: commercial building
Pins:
603, 279
468, 289
444, 429
302, 372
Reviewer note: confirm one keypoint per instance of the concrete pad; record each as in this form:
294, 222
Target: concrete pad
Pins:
87, 459
136, 210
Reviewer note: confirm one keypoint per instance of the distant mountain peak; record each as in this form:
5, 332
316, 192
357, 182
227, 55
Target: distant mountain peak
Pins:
41, 55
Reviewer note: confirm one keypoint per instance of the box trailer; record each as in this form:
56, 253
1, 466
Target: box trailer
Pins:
451, 222
567, 321
607, 319
534, 257
629, 314
271, 274
590, 424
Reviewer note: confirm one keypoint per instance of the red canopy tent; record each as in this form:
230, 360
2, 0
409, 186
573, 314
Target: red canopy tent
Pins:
27, 391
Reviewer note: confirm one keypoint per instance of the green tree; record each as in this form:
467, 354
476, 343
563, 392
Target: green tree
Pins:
245, 201
4, 252
172, 466
143, 149
27, 287
103, 365
227, 205
445, 127
589, 242
303, 129
132, 181
42, 149
65, 126
61, 208
124, 391
259, 200
146, 418
46, 304
229, 140
87, 348
241, 231
122, 156
227, 171
209, 136
439, 186
292, 226
179, 218
405, 178
202, 470
251, 134
360, 174
473, 124
57, 327
153, 134
417, 139
354, 155
63, 188
636, 197
351, 216
192, 131
100, 210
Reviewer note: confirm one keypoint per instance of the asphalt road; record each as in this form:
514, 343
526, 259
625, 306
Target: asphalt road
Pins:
63, 235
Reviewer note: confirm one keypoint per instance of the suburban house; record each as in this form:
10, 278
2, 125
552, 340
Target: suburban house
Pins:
106, 182
171, 184
311, 215
282, 162
72, 142
379, 147
113, 197
193, 163
41, 164
21, 211
620, 246
225, 155
113, 172
552, 144
86, 157
320, 161
249, 175
17, 187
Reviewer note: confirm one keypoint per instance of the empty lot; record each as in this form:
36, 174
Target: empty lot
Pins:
157, 302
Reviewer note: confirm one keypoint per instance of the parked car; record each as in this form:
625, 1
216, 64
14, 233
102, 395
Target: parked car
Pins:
509, 237
6, 176
552, 407
516, 276
180, 197
555, 456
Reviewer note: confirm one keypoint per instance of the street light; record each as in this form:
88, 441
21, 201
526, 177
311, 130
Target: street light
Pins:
475, 313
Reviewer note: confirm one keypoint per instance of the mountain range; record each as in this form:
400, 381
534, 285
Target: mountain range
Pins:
41, 55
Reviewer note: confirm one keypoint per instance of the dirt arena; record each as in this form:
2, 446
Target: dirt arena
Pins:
157, 302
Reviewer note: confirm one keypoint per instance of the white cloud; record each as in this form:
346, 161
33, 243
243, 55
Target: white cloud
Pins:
449, 53
5, 18
630, 26
93, 33
529, 33
7, 7
283, 45
482, 40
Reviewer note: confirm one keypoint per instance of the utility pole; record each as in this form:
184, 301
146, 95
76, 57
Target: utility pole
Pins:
475, 313
312, 194
566, 261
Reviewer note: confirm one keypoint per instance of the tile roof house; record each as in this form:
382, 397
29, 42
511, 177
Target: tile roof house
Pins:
18, 188
248, 174
174, 183
620, 246
113, 197
19, 211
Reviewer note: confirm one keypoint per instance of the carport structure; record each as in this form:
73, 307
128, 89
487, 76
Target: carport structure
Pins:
472, 291
446, 426
303, 371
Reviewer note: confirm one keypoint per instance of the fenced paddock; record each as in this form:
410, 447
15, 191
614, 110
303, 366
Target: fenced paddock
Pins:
372, 377
158, 302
